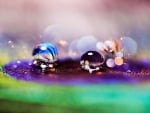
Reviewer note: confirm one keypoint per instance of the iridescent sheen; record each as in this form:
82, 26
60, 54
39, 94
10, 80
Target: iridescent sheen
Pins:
45, 54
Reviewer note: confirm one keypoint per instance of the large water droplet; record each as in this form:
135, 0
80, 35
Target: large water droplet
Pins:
45, 54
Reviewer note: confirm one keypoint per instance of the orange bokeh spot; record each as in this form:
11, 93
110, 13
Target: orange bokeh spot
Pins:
119, 61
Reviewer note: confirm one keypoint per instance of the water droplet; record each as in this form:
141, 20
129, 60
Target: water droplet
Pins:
91, 61
45, 54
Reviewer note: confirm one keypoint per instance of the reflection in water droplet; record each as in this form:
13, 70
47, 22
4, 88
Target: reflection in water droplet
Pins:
45, 52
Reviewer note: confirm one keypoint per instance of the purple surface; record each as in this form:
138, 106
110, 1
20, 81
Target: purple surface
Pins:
69, 72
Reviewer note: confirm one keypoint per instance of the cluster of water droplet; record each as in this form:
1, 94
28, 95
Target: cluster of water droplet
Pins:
114, 52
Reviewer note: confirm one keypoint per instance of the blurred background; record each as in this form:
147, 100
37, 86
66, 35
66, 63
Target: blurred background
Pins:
25, 23
71, 24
